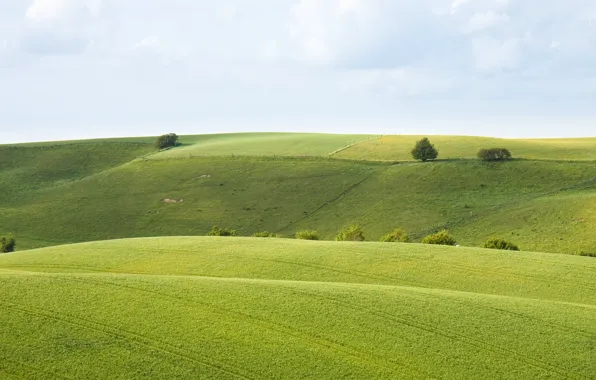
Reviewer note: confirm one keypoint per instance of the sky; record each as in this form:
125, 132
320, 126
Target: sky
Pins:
104, 68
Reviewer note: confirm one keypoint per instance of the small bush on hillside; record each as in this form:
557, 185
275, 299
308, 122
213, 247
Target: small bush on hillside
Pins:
307, 235
587, 254
265, 234
500, 244
216, 231
494, 154
350, 233
7, 244
396, 236
424, 150
166, 141
440, 238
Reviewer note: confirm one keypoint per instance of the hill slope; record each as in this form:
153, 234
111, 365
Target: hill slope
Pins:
97, 190
259, 308
397, 148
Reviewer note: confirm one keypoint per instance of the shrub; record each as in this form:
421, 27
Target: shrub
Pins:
424, 150
216, 231
500, 244
440, 238
397, 235
494, 154
166, 141
350, 233
587, 254
307, 235
7, 244
265, 234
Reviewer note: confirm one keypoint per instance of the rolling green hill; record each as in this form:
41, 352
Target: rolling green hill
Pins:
275, 308
397, 148
262, 144
105, 189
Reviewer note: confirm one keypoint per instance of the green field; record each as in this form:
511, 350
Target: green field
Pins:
275, 308
105, 189
262, 144
397, 148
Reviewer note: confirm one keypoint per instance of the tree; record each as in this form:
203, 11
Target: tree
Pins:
440, 238
350, 233
216, 231
500, 244
7, 243
307, 235
397, 235
494, 154
424, 150
166, 141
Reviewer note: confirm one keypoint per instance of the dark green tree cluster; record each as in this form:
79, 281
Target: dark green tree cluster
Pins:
424, 151
216, 231
166, 141
440, 238
497, 243
7, 244
350, 233
494, 154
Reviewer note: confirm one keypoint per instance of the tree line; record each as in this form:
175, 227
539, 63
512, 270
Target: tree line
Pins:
425, 151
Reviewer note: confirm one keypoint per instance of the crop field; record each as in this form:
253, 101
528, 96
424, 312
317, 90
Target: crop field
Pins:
397, 148
275, 308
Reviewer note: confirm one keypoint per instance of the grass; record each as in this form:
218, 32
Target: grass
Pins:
398, 148
85, 192
261, 144
262, 308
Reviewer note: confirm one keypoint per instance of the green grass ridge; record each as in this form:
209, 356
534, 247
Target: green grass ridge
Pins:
202, 307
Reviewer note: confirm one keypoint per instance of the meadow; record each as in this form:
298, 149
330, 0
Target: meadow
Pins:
72, 197
397, 148
203, 307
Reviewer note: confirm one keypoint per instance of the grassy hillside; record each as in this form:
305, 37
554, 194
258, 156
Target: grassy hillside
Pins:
262, 144
283, 195
95, 190
259, 308
397, 148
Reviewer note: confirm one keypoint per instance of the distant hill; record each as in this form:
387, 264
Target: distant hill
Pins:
103, 189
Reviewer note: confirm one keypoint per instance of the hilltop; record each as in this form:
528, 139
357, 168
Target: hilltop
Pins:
104, 189
260, 308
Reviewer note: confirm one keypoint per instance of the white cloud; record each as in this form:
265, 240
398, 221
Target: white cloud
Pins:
485, 20
59, 26
53, 10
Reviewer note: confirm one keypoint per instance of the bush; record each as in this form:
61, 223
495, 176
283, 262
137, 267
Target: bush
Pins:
500, 244
587, 254
216, 231
350, 233
266, 234
7, 244
307, 235
494, 154
440, 238
424, 150
166, 141
396, 236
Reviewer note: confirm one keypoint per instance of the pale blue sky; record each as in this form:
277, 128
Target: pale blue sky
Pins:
98, 68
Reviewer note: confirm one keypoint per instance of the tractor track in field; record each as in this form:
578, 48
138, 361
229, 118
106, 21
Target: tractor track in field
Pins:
31, 368
381, 362
334, 199
495, 349
128, 336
